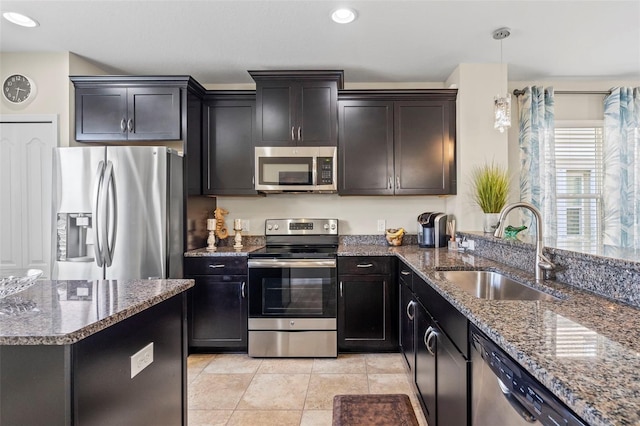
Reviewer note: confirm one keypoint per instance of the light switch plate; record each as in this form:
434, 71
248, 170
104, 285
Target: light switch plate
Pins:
245, 225
381, 225
141, 359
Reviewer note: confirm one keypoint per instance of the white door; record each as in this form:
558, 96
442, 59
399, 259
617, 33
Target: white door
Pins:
26, 147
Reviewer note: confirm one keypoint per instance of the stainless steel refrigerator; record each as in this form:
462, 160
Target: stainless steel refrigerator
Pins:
118, 213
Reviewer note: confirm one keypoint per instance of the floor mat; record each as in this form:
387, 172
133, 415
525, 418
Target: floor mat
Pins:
370, 410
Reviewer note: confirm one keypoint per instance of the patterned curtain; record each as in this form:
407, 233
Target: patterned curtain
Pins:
622, 168
537, 156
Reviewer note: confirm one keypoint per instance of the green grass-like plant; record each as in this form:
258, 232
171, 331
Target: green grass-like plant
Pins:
490, 184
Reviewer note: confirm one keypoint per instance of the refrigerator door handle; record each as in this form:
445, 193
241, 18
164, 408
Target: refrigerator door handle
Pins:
110, 209
97, 216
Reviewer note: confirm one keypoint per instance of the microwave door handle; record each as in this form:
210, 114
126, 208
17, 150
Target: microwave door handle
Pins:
314, 168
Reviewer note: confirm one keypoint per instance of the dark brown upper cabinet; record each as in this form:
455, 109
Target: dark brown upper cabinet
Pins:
126, 108
228, 154
397, 142
297, 108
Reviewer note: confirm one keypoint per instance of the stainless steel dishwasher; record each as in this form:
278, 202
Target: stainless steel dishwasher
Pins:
503, 393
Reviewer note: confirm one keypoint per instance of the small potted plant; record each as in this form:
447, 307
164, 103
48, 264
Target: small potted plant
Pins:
490, 184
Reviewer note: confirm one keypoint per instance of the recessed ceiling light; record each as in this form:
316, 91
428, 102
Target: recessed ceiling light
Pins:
343, 16
19, 19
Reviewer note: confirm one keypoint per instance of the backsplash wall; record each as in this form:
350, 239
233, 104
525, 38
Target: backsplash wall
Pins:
357, 215
617, 279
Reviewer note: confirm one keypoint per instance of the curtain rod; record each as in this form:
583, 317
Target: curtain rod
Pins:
518, 92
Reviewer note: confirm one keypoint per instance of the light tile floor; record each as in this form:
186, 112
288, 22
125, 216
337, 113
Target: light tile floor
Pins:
234, 389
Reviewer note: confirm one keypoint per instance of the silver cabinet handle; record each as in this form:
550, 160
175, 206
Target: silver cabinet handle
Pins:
130, 125
426, 335
218, 265
123, 125
405, 272
390, 182
293, 135
364, 265
411, 304
398, 182
340, 288
299, 133
242, 289
431, 335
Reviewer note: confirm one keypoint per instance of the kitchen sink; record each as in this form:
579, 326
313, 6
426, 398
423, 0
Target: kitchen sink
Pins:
493, 286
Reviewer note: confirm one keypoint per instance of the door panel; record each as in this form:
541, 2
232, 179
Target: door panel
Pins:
366, 147
26, 192
100, 114
140, 177
318, 114
155, 113
275, 114
425, 367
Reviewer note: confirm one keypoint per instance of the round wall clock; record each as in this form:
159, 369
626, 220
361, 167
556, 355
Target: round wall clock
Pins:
18, 89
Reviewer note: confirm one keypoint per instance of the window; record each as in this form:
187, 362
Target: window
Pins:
579, 171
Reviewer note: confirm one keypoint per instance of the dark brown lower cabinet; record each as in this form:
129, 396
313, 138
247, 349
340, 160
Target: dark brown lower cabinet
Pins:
218, 313
217, 308
408, 309
367, 305
441, 369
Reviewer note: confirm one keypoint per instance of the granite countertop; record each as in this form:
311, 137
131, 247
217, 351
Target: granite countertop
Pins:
222, 251
64, 312
583, 347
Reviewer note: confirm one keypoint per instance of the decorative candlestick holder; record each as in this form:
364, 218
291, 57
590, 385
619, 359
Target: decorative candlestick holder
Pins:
237, 238
211, 241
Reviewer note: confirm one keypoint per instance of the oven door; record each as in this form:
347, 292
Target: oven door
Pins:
292, 288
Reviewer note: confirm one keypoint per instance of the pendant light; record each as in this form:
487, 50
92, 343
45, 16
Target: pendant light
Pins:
502, 104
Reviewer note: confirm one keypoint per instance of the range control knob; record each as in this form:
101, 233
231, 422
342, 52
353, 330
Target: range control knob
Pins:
269, 227
276, 227
333, 226
326, 226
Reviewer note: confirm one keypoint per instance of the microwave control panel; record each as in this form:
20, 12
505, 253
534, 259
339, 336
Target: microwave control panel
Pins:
325, 170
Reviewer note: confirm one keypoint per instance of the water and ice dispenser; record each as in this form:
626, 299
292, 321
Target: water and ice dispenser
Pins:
74, 237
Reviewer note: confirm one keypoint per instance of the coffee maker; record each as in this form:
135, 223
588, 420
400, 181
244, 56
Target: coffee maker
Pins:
432, 229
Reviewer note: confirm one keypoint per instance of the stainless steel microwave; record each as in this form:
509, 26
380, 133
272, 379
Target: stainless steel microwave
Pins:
296, 169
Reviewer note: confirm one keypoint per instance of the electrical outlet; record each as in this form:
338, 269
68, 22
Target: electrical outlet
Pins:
381, 225
245, 225
141, 359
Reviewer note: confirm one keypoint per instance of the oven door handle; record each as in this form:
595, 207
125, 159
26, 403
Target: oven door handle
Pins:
291, 263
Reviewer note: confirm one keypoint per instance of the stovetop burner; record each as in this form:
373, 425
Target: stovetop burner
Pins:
307, 252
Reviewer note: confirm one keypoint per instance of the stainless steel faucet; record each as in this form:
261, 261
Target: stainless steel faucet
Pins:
542, 262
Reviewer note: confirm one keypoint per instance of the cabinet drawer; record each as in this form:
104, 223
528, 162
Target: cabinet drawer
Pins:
364, 265
405, 275
223, 265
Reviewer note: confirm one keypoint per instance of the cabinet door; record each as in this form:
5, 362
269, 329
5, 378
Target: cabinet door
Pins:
101, 114
407, 323
425, 368
275, 116
317, 113
366, 147
228, 161
153, 113
424, 147
218, 312
365, 314
452, 384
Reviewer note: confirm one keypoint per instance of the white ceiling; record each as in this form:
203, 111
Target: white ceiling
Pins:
391, 41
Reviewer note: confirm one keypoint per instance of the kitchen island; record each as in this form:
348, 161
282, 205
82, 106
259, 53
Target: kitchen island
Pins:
94, 352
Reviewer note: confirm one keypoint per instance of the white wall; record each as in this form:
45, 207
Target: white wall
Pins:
477, 141
51, 72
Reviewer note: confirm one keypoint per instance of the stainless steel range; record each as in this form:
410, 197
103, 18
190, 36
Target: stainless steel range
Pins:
292, 290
